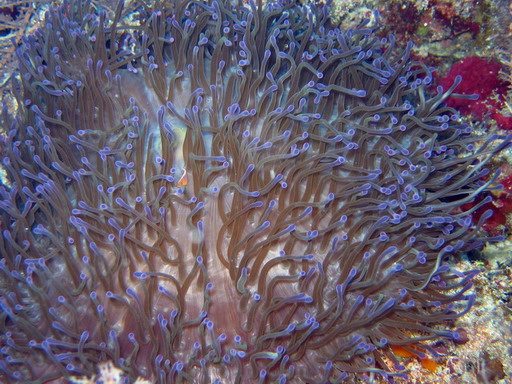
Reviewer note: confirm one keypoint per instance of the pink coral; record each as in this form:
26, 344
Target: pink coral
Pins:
479, 76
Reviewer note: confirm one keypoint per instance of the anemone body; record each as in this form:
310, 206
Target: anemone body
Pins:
228, 194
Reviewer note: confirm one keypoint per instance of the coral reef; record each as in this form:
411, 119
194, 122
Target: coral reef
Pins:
208, 192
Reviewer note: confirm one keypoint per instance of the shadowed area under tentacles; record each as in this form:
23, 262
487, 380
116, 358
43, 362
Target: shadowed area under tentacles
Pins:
229, 194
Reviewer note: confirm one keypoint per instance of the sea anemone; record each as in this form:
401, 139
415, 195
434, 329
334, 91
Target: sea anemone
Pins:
229, 193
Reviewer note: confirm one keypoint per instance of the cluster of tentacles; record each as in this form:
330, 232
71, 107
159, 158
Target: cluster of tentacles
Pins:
229, 194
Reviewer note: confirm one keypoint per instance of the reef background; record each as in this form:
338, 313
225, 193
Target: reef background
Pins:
444, 32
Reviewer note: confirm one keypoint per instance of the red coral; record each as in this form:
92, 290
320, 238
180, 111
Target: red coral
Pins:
479, 76
495, 224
